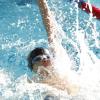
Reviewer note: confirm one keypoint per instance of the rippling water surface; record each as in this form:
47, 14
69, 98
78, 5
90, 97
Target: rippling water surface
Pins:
21, 30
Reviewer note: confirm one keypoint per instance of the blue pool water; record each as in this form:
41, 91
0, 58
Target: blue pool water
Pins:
21, 30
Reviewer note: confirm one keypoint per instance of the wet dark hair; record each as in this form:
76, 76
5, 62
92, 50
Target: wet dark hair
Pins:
36, 52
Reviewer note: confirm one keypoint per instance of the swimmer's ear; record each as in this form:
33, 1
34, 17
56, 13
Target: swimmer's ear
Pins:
73, 90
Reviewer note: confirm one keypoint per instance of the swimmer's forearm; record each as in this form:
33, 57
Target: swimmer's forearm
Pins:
50, 25
46, 14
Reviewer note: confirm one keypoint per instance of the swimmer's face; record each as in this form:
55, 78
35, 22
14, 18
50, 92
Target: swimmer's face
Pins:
42, 65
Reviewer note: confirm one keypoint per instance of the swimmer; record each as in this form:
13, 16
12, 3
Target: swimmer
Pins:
40, 60
85, 7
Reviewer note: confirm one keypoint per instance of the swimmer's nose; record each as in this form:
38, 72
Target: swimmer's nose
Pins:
45, 62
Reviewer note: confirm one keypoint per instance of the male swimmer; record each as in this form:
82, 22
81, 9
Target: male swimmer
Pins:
86, 7
41, 62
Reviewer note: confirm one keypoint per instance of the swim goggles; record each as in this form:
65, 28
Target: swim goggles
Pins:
40, 58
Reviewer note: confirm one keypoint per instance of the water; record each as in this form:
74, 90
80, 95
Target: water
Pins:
22, 30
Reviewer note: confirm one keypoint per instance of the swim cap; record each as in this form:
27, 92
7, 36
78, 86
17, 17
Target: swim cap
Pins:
36, 55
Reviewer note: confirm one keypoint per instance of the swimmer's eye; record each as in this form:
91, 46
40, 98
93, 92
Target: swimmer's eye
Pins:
39, 58
36, 59
48, 57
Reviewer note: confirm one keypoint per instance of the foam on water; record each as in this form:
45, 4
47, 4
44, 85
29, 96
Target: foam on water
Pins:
87, 77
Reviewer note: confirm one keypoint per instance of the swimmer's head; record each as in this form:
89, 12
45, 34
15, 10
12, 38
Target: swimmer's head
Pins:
39, 57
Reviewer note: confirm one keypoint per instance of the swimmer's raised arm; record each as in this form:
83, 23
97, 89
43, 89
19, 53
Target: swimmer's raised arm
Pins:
46, 16
50, 25
54, 31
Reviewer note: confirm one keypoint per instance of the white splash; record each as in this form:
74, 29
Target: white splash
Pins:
87, 77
